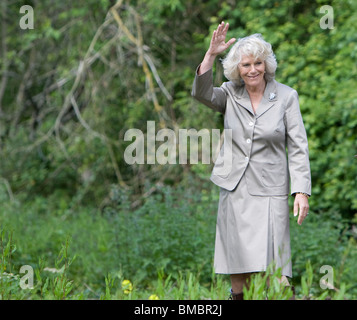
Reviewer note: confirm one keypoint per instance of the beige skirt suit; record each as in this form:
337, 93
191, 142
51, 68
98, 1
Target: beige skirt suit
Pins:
263, 159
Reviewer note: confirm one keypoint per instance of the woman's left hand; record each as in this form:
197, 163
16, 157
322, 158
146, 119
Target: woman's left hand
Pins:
301, 207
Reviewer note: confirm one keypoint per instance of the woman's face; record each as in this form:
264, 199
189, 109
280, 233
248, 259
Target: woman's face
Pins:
252, 71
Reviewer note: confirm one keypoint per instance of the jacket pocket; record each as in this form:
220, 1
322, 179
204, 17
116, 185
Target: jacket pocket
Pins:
273, 175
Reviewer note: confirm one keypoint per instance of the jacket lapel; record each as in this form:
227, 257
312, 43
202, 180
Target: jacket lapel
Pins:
242, 98
269, 98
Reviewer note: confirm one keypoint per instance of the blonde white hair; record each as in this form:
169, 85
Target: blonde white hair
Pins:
253, 45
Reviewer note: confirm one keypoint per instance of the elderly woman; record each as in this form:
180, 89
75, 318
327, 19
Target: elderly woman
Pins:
264, 118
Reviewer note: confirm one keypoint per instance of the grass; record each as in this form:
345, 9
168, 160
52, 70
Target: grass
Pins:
55, 284
163, 249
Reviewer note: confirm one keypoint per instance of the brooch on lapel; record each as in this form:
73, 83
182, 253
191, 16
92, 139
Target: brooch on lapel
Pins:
271, 96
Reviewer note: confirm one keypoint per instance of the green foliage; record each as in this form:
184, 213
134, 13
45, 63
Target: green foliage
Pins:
164, 247
55, 283
112, 92
267, 286
47, 287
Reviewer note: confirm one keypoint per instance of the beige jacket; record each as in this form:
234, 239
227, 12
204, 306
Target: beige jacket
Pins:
256, 144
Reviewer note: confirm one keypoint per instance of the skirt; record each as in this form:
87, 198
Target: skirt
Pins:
252, 232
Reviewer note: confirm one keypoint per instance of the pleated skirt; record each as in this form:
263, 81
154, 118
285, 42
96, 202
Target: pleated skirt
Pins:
252, 232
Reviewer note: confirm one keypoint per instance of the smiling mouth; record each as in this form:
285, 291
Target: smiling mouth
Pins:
254, 77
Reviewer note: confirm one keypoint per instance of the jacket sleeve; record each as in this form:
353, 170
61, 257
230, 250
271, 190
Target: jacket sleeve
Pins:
297, 145
203, 91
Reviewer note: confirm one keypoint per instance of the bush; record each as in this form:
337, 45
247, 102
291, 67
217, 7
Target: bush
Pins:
171, 234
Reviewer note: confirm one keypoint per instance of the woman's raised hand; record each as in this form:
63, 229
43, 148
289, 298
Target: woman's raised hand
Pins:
218, 42
217, 46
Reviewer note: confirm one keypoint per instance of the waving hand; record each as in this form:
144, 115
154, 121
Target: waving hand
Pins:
217, 46
218, 42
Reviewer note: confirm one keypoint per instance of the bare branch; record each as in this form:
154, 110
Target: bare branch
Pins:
3, 53
8, 188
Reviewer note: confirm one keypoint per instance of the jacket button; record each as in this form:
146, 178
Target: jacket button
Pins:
251, 123
249, 141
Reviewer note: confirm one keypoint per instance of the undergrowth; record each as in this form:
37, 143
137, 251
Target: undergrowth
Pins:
39, 282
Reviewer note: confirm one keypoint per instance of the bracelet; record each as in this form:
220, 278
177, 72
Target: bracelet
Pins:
303, 193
